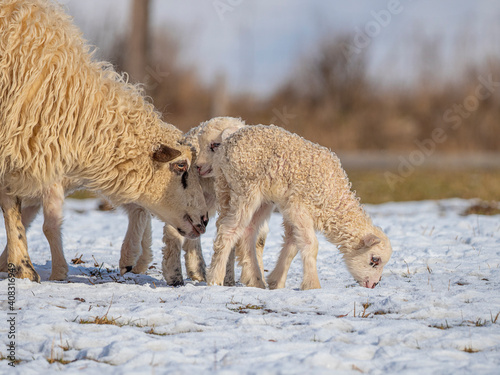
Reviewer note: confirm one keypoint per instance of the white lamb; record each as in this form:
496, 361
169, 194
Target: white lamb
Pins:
65, 116
259, 167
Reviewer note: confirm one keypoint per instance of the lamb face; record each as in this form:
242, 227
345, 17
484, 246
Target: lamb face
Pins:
174, 193
367, 262
210, 135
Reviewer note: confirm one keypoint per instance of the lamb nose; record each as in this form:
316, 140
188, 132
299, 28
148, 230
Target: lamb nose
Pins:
204, 220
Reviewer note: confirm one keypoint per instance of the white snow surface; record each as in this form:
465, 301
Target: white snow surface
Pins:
436, 310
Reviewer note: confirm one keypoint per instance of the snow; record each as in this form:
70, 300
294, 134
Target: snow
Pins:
434, 312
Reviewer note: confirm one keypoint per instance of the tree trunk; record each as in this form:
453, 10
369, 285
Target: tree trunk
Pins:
136, 60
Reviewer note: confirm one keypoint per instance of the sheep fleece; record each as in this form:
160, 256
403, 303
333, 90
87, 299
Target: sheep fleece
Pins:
288, 168
63, 114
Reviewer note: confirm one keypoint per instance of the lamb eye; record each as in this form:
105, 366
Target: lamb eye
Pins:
214, 146
375, 261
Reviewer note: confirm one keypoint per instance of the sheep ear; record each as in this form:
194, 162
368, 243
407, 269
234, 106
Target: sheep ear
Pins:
370, 240
165, 154
227, 132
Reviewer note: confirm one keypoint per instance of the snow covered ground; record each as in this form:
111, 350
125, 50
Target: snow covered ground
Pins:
436, 310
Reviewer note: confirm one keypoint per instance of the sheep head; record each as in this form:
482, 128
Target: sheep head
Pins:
367, 261
174, 194
210, 136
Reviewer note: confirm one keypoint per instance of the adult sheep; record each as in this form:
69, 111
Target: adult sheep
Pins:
259, 167
63, 115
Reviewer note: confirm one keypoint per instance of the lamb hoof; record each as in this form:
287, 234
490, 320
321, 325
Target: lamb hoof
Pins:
213, 280
275, 284
58, 276
197, 277
124, 270
311, 285
139, 269
176, 283
260, 285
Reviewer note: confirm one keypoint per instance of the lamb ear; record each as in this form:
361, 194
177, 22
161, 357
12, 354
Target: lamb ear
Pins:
227, 132
370, 240
165, 154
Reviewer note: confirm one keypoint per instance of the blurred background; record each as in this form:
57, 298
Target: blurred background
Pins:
407, 93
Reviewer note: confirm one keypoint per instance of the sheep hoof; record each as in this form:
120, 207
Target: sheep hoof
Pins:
138, 269
58, 276
124, 270
26, 271
197, 277
176, 283
310, 285
214, 283
257, 284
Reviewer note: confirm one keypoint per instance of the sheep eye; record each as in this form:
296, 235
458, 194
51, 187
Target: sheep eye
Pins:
214, 146
179, 167
375, 261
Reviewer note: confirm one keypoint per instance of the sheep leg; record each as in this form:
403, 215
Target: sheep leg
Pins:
17, 247
233, 219
146, 256
131, 247
277, 277
193, 258
261, 242
307, 242
252, 272
171, 263
3, 260
53, 200
229, 278
28, 214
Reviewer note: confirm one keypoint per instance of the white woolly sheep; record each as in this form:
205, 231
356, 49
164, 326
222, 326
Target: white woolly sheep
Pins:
206, 138
259, 167
63, 115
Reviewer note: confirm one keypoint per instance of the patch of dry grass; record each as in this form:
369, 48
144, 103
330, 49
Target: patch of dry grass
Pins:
372, 186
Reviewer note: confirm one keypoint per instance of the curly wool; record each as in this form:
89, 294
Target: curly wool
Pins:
288, 169
63, 114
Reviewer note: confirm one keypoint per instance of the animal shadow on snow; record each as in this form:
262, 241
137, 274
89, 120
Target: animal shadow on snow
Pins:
92, 273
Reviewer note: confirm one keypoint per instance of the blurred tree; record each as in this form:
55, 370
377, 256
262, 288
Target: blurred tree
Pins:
137, 59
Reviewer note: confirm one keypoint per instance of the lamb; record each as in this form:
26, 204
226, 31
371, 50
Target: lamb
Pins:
206, 137
63, 115
259, 167
202, 137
